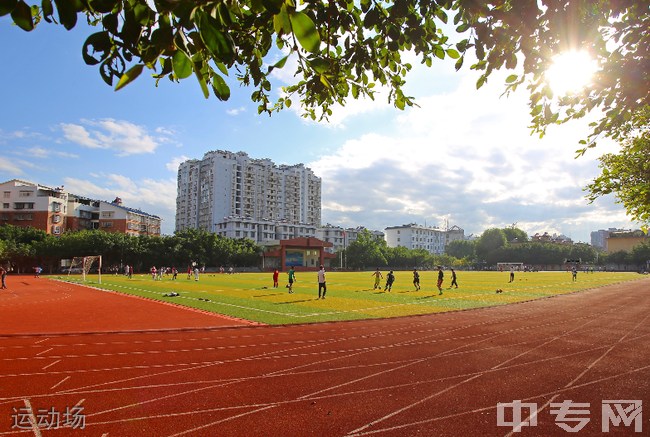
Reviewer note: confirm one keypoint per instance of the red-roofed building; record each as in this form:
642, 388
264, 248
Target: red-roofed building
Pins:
303, 254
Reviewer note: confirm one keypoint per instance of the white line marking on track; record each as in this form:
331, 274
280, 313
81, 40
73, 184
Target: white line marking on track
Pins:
41, 341
45, 351
51, 364
60, 382
32, 418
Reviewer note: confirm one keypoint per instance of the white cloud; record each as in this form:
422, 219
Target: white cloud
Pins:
121, 136
175, 162
153, 196
468, 156
236, 111
43, 153
10, 166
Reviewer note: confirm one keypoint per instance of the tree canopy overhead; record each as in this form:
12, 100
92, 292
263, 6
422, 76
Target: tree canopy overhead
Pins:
345, 48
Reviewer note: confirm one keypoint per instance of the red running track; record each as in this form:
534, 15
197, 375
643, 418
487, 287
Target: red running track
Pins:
133, 367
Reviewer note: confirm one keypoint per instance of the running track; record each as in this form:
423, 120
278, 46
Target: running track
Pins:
141, 368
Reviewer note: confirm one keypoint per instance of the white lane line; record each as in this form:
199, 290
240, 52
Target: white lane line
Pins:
60, 382
41, 341
45, 351
32, 418
51, 364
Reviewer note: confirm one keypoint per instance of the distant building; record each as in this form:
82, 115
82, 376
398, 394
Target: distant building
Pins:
454, 233
599, 238
29, 204
341, 237
414, 236
625, 240
113, 217
550, 238
56, 211
239, 197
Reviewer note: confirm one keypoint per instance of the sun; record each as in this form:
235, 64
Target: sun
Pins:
570, 72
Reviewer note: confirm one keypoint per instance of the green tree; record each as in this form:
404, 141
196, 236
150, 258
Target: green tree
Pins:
640, 254
491, 240
366, 251
627, 174
515, 235
461, 249
345, 48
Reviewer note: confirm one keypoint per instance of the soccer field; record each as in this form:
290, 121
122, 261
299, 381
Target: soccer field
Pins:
350, 296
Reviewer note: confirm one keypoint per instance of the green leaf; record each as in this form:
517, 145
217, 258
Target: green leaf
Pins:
458, 64
453, 53
222, 68
7, 6
218, 43
129, 76
48, 10
278, 64
306, 32
181, 64
102, 6
99, 42
273, 6
22, 16
204, 86
319, 65
511, 78
221, 89
67, 12
281, 23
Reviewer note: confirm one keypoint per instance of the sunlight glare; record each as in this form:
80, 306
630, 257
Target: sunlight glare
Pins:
570, 72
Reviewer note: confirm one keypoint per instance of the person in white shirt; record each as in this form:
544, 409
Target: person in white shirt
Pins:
321, 283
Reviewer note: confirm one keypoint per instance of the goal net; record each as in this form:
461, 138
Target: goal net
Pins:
87, 265
505, 267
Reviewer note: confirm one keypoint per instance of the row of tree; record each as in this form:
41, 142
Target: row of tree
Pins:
493, 246
24, 248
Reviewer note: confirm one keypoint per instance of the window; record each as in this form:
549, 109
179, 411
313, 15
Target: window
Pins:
24, 205
107, 224
5, 205
107, 214
56, 219
24, 194
7, 194
56, 230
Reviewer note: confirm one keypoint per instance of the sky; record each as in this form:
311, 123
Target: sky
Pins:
464, 157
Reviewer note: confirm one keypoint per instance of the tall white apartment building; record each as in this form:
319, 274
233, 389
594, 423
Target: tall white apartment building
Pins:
225, 189
414, 236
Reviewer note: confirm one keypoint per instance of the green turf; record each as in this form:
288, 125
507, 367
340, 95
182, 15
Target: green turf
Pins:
350, 295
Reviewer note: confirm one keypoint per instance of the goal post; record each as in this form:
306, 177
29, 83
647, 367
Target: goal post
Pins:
505, 266
85, 264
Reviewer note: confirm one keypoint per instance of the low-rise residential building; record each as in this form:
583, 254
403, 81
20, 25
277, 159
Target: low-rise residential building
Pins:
56, 211
341, 237
262, 231
29, 204
414, 236
625, 240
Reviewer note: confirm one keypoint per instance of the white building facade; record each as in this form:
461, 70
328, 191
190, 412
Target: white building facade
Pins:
230, 193
414, 236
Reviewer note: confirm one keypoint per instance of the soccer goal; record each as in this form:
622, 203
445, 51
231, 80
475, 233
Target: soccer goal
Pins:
504, 267
85, 264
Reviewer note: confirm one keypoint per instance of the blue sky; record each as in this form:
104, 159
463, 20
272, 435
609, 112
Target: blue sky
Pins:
464, 157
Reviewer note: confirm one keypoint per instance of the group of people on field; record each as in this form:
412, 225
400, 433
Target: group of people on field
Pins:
388, 285
390, 279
